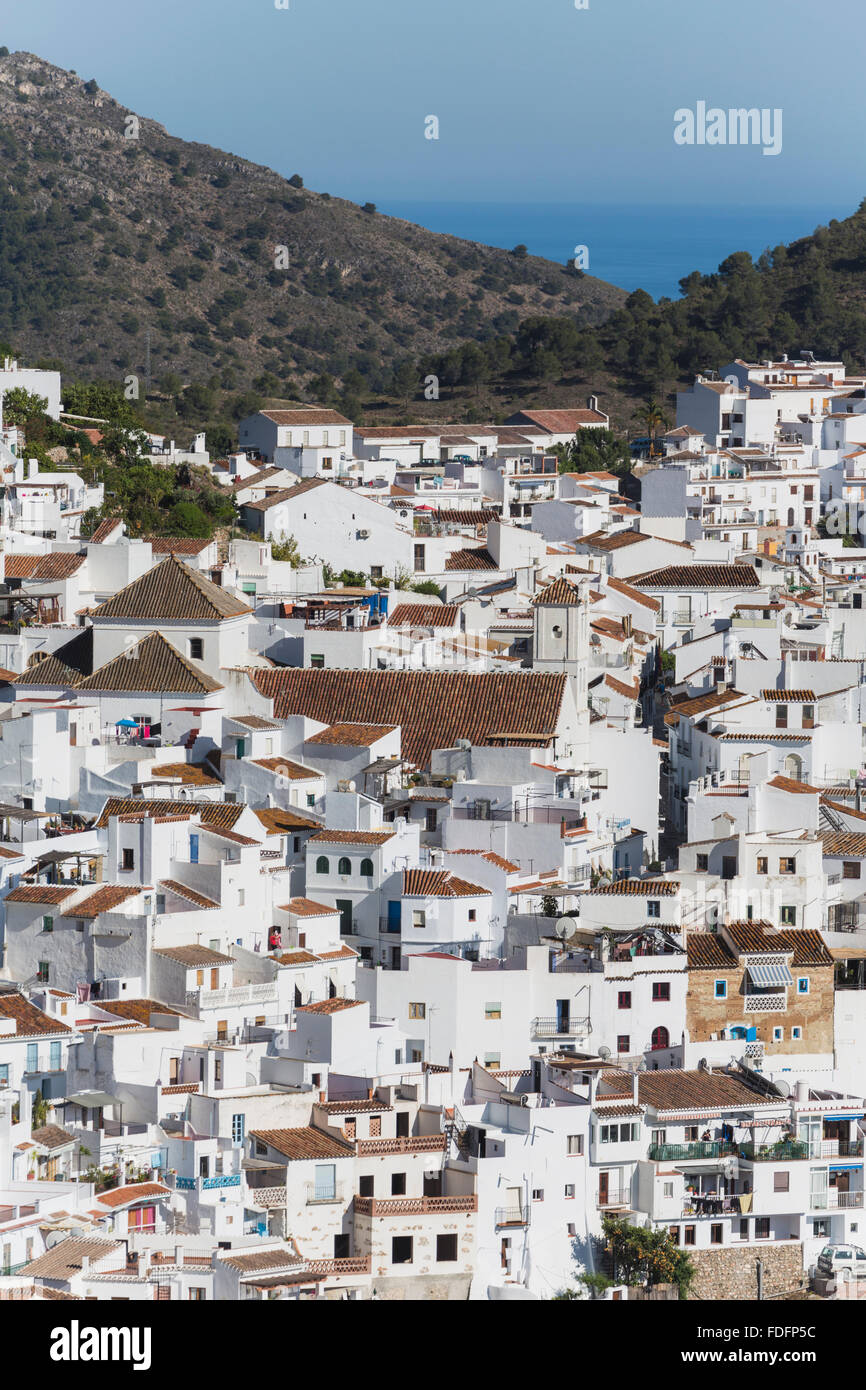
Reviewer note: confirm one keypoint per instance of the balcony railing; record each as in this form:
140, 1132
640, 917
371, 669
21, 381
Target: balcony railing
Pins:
266, 1198
708, 1148
349, 1264
559, 1027
422, 1143
414, 1206
836, 1148
833, 1199
614, 1197
765, 1003
512, 1216
774, 1153
315, 1194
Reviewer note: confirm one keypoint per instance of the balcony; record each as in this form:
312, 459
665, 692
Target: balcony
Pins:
836, 1148
677, 1153
511, 1216
414, 1206
559, 1027
349, 1264
422, 1143
833, 1200
314, 1195
765, 1003
266, 1198
681, 617
774, 1153
614, 1197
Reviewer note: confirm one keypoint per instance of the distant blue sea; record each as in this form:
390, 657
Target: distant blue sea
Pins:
635, 246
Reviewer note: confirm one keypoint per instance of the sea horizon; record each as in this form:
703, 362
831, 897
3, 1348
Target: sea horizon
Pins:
651, 249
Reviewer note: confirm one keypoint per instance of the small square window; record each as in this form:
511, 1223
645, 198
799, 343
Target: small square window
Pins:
803, 984
653, 908
417, 1010
796, 1034
493, 1009
401, 1250
720, 989
538, 1194
661, 992
196, 648
702, 863
623, 1043
623, 999
787, 866
851, 869
569, 1191
782, 1182
446, 1248
761, 865
575, 1144
778, 1034
788, 916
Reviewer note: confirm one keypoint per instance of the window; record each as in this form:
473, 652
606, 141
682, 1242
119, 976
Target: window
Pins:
667, 1189
417, 1010
619, 1134
803, 984
366, 1185
661, 992
32, 1062
127, 860
653, 908
569, 1191
196, 648
720, 989
782, 1182
821, 1228
781, 716
419, 558
431, 820
376, 572
238, 1128
689, 1235
716, 1233
623, 1043
623, 999
322, 865
796, 1034
446, 1249
787, 865
778, 1034
472, 914
702, 863
344, 867
538, 1194
4, 1073
43, 971
788, 916
658, 1137
398, 1184
241, 896
54, 1056
492, 1059
401, 1250
851, 868
761, 864
493, 1009
674, 1233
808, 716
196, 1295
419, 917
574, 1144
762, 1228
366, 869
691, 1134
47, 923
660, 1039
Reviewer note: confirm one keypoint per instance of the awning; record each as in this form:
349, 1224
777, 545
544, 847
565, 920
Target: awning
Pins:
91, 1100
845, 1167
763, 975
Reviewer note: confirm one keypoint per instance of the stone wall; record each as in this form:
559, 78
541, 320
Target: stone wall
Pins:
730, 1272
813, 1012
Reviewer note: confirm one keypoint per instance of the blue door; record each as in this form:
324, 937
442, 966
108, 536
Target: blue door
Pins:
394, 915
193, 849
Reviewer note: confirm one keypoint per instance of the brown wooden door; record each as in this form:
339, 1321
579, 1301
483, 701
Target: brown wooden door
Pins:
214, 979
603, 1188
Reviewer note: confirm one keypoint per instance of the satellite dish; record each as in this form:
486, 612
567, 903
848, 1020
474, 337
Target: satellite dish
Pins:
351, 786
783, 1088
564, 927
604, 1052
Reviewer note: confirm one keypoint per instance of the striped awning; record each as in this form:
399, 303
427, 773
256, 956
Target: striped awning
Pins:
763, 975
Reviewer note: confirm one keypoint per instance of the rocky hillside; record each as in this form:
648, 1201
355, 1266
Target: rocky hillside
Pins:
105, 237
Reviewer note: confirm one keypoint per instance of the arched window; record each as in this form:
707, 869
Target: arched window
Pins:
660, 1039
345, 866
794, 767
366, 868
322, 865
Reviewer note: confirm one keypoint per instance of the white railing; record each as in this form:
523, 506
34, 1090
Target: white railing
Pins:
241, 994
766, 1003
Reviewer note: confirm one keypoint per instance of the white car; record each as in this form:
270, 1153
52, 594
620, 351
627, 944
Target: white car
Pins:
842, 1261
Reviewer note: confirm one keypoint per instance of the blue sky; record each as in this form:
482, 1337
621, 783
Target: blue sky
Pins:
536, 100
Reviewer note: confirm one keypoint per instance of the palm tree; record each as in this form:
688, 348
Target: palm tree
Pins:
655, 419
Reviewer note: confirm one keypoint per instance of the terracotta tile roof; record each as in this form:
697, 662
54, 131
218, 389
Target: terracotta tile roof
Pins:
701, 704
640, 888
177, 545
191, 895
52, 1137
492, 858
788, 784
423, 615
55, 566
223, 833
293, 772
303, 1143
49, 894
294, 958
843, 843
614, 540
702, 577
277, 820
64, 1260
275, 499
329, 1006
151, 665
353, 1107
629, 591
171, 592
106, 528
751, 938
306, 907
134, 1192
698, 1090
194, 956
763, 737
351, 735
307, 415
558, 421
352, 837
62, 667
30, 1021
191, 774
631, 692
256, 479
209, 812
255, 721
432, 708
706, 951
261, 1261
106, 899
561, 593
342, 954
795, 697
471, 558
136, 1010
614, 1112
465, 516
439, 883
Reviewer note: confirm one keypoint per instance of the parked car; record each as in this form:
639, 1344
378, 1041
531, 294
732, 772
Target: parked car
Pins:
842, 1261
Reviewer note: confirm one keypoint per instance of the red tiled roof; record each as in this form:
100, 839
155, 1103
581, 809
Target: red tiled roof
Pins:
134, 1192
304, 1142
439, 883
30, 1021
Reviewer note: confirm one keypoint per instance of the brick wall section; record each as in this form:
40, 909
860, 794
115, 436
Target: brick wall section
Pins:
813, 1012
730, 1272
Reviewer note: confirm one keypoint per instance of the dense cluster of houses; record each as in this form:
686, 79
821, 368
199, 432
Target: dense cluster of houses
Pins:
368, 940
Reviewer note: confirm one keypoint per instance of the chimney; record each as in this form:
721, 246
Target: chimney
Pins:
635, 1084
32, 467
592, 403
178, 1255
